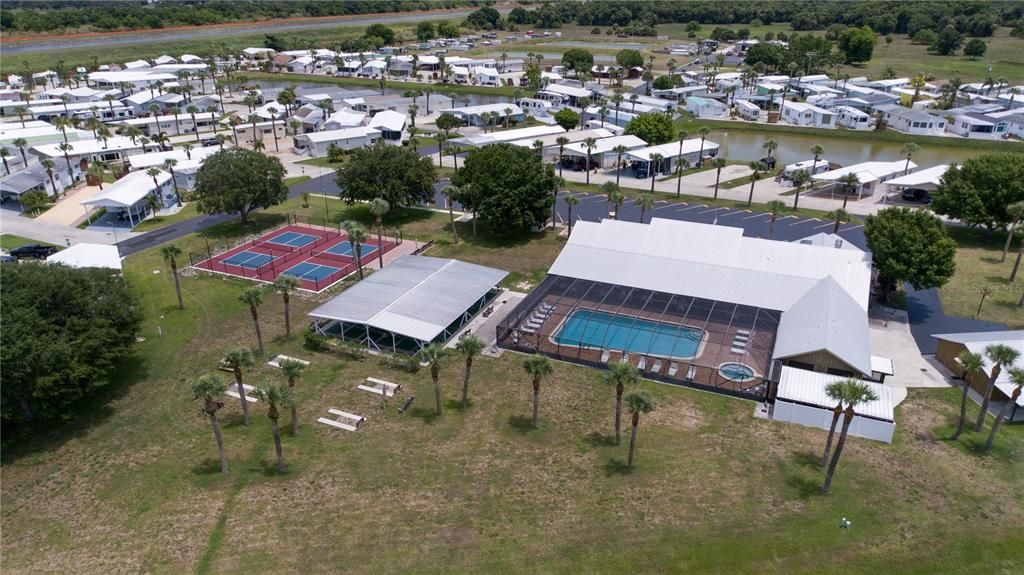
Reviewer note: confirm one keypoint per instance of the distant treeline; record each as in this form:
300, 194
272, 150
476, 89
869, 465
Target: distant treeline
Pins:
48, 16
975, 18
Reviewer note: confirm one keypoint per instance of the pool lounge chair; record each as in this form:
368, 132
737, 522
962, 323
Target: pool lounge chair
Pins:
642, 364
605, 355
673, 367
743, 331
625, 357
656, 368
691, 372
738, 350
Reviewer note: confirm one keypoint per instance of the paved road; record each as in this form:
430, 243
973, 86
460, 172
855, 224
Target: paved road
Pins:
927, 317
50, 232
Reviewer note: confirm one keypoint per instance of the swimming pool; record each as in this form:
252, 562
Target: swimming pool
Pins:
603, 330
736, 371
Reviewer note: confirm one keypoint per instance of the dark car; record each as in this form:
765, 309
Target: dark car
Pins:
916, 195
36, 251
8, 259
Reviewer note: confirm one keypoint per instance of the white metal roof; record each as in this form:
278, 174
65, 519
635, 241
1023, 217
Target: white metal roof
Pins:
829, 241
346, 117
881, 364
532, 132
551, 140
485, 109
414, 296
83, 147
88, 256
127, 191
671, 150
809, 387
867, 172
715, 262
567, 90
928, 176
343, 134
605, 145
827, 319
389, 120
976, 342
156, 159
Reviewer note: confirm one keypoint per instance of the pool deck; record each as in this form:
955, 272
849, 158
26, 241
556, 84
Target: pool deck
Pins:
715, 350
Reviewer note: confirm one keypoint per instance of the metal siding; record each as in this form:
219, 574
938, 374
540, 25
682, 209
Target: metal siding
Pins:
809, 387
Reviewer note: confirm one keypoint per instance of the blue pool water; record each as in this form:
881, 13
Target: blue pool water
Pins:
598, 329
736, 371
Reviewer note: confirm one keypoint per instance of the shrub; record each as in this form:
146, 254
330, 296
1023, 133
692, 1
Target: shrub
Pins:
315, 342
400, 361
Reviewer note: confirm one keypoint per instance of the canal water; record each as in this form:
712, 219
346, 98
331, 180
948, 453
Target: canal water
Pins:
743, 145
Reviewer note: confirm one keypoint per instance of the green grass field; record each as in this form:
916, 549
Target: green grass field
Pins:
11, 241
133, 484
978, 267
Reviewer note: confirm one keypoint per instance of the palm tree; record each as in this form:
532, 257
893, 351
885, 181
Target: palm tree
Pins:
273, 127
253, 297
276, 395
839, 216
285, 285
97, 170
970, 363
357, 236
538, 367
1017, 377
999, 355
170, 253
619, 151
617, 198
169, 164
718, 164
852, 393
703, 131
570, 201
48, 164
850, 183
22, 110
441, 139
562, 141
917, 83
221, 138
656, 160
774, 207
637, 402
508, 116
758, 167
210, 389
452, 192
470, 346
908, 150
21, 144
175, 111
818, 151
771, 146
192, 111
834, 391
1015, 211
378, 207
589, 144
620, 374
633, 99
538, 146
617, 100
4, 152
434, 355
646, 201
799, 178
237, 358
65, 148
292, 370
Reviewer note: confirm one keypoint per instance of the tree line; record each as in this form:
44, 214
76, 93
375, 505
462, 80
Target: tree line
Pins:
34, 16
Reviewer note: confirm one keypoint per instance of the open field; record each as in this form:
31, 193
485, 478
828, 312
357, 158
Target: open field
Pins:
134, 486
978, 267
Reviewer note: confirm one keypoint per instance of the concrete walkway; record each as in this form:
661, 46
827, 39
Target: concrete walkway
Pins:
57, 233
69, 211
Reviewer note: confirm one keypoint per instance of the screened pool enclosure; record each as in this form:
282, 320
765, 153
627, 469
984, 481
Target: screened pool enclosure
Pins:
679, 339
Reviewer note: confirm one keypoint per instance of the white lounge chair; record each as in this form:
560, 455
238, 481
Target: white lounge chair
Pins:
276, 361
656, 368
741, 337
383, 383
738, 350
743, 331
605, 355
347, 421
337, 424
642, 364
527, 329
673, 367
691, 372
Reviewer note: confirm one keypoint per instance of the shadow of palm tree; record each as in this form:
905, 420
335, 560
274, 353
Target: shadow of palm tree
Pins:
595, 439
428, 415
807, 459
208, 466
456, 405
616, 466
521, 423
805, 488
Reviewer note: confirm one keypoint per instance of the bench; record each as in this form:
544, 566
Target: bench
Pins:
337, 424
276, 361
355, 420
380, 387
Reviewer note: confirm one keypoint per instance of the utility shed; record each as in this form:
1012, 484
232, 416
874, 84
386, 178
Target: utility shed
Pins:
801, 399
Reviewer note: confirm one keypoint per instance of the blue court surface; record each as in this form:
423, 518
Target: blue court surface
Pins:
293, 239
309, 271
247, 259
345, 249
601, 330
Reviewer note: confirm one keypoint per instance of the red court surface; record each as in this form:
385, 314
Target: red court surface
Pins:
318, 257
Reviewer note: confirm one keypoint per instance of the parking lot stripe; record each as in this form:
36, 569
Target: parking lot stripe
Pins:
758, 215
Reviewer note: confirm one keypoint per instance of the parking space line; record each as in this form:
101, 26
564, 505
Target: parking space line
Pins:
824, 225
758, 215
692, 208
736, 212
712, 210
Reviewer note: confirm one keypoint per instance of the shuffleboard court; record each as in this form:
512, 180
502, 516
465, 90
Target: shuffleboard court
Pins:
345, 249
293, 239
310, 271
248, 259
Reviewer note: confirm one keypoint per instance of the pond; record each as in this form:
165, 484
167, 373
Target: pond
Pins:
747, 146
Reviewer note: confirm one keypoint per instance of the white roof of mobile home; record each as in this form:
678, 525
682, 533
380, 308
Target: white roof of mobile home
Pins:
867, 172
928, 176
389, 120
509, 135
88, 256
567, 90
671, 149
977, 342
605, 145
343, 134
808, 387
127, 191
414, 296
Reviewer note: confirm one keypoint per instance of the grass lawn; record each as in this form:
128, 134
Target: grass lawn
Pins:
187, 212
978, 268
11, 241
134, 484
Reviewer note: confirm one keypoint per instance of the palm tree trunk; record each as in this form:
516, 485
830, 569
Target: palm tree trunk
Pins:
220, 442
177, 286
295, 420
536, 404
796, 198
1016, 263
847, 420
570, 223
718, 177
980, 423
618, 414
380, 244
241, 395
287, 316
359, 259
277, 445
632, 439
451, 216
465, 384
1006, 247
256, 324
831, 433
1000, 417
437, 396
963, 411
750, 198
